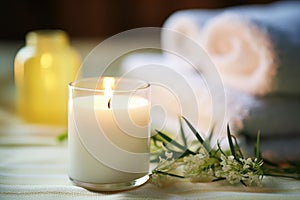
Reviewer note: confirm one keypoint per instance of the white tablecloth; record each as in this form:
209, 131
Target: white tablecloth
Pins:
33, 165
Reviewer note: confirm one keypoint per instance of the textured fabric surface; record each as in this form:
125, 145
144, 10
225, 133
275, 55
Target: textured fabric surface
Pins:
38, 170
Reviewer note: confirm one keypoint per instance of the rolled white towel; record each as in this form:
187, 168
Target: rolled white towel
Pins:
179, 30
255, 48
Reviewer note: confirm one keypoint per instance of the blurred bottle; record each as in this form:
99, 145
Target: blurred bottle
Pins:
43, 69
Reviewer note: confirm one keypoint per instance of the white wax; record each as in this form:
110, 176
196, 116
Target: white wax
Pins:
108, 145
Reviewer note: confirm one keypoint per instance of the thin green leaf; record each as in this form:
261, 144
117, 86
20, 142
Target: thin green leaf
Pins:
154, 140
220, 149
195, 132
237, 147
200, 139
170, 140
211, 134
182, 133
257, 147
232, 149
173, 142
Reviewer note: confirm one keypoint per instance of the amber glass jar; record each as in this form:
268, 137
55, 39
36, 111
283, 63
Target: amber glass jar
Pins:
43, 69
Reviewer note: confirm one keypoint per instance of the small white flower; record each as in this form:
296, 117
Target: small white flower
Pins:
230, 158
234, 177
226, 168
247, 163
169, 155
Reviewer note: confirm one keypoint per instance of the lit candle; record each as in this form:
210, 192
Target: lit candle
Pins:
108, 137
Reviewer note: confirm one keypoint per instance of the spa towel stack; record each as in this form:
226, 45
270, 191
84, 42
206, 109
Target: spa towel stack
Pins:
256, 50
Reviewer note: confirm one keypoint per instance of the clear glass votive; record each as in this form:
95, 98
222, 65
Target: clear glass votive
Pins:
109, 133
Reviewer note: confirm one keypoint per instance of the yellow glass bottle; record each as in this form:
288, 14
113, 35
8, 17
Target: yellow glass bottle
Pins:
43, 69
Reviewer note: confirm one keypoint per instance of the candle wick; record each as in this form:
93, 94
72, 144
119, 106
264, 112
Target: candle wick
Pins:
108, 104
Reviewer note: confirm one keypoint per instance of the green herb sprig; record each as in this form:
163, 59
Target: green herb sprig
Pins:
177, 160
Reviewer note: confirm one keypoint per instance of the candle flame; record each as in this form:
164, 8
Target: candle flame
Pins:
108, 83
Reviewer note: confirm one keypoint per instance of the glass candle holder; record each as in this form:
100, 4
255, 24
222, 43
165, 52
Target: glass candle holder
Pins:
109, 133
